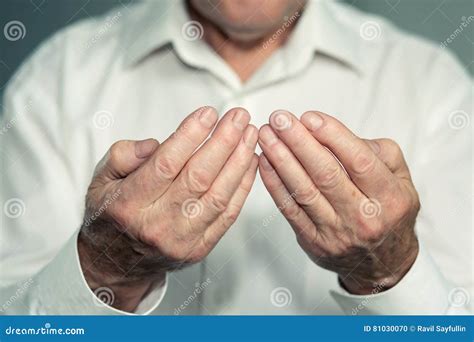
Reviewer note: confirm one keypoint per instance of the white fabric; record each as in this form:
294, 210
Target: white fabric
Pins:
134, 74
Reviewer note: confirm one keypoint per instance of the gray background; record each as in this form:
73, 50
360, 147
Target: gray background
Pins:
435, 19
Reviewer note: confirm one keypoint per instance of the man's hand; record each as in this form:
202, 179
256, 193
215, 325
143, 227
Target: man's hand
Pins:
155, 208
350, 201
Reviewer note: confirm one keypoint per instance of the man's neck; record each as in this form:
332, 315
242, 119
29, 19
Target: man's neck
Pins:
243, 57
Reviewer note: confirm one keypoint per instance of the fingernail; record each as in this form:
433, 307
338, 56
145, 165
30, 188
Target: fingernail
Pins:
144, 148
250, 136
241, 119
208, 117
374, 146
267, 136
312, 120
280, 120
265, 163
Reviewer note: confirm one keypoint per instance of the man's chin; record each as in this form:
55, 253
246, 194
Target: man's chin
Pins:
246, 37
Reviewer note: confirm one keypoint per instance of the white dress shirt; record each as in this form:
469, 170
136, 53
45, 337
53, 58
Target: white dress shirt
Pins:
136, 72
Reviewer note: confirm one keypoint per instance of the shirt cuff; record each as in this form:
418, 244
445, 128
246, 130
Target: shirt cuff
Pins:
62, 290
422, 291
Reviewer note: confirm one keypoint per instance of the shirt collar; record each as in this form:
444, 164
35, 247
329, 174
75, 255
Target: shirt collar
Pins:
325, 33
320, 30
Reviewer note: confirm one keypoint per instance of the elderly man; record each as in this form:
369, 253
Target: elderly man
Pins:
366, 123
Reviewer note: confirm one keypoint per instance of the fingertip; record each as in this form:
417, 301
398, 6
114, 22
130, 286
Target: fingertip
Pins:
281, 120
207, 116
374, 145
312, 120
240, 117
144, 148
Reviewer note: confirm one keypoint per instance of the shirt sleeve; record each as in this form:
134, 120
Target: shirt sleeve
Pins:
45, 173
441, 279
60, 289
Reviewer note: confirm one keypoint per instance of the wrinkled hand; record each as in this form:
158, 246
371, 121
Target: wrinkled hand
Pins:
155, 208
356, 219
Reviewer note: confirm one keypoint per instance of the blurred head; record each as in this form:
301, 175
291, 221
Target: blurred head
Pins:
247, 20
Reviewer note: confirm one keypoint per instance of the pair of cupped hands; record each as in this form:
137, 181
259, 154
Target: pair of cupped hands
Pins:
156, 207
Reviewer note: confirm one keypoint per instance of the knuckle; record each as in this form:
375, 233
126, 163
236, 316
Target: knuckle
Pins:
371, 233
230, 216
227, 140
364, 162
393, 146
197, 180
308, 196
329, 177
218, 202
166, 167
115, 151
291, 212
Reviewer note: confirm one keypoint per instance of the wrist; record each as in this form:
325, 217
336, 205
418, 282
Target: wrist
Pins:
120, 278
382, 278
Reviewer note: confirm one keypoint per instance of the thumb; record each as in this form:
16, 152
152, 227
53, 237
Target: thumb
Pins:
390, 154
124, 157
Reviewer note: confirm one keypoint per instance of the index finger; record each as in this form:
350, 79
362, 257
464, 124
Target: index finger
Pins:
150, 181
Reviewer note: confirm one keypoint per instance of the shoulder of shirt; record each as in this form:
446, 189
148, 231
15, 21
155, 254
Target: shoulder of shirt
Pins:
95, 41
392, 43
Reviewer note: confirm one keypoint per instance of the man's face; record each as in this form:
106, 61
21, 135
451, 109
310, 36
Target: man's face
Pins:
247, 20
